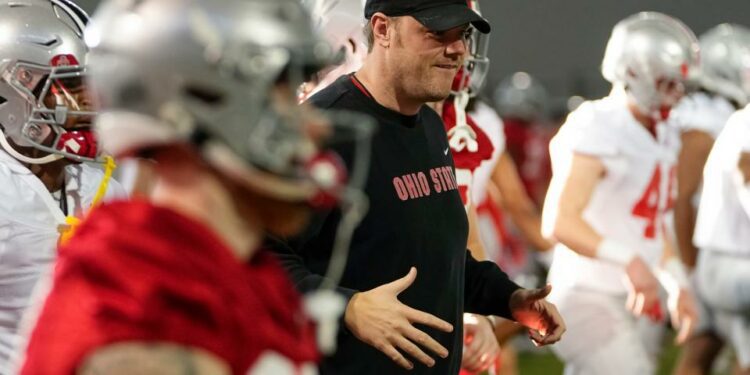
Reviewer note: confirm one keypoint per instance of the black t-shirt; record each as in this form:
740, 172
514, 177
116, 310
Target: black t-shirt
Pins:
416, 218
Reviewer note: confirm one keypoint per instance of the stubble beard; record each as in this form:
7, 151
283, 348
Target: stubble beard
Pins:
418, 84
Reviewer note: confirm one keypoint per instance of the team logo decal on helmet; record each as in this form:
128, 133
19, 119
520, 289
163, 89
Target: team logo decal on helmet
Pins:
45, 102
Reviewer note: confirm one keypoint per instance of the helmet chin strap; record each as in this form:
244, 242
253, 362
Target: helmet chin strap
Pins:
462, 135
23, 158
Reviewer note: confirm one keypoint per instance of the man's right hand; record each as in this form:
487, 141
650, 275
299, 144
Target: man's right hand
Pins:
379, 319
643, 294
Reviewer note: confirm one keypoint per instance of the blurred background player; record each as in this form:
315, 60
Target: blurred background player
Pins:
340, 22
505, 211
607, 202
722, 233
502, 189
723, 86
523, 103
179, 283
46, 112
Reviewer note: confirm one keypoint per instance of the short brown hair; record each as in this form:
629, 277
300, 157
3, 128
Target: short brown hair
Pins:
369, 36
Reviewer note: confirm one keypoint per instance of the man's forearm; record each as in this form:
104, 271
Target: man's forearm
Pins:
487, 289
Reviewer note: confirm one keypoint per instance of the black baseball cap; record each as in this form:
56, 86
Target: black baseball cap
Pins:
436, 15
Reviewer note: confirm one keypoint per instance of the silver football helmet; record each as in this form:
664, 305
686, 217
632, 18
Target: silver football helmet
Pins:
650, 54
44, 100
207, 72
521, 96
725, 62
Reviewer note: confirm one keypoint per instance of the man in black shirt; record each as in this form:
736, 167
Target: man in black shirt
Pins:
416, 219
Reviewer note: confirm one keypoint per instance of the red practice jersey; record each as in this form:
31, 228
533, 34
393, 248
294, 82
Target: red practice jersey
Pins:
528, 145
137, 272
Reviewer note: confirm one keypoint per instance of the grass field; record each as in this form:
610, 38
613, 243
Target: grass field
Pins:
547, 363
544, 362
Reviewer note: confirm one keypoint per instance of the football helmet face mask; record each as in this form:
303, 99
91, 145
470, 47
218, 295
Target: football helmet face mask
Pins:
651, 55
44, 98
472, 75
725, 62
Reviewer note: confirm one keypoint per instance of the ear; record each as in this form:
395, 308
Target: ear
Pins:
381, 29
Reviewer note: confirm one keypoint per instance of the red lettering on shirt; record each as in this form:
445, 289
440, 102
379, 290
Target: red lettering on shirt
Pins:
435, 180
423, 184
446, 172
400, 189
411, 187
417, 185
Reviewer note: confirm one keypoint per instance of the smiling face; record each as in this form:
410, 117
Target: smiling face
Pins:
424, 62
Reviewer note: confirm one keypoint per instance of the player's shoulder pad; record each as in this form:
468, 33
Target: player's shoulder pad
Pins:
701, 111
90, 178
592, 128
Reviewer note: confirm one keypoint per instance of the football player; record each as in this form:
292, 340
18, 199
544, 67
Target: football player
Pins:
46, 112
497, 191
723, 87
612, 177
523, 103
722, 227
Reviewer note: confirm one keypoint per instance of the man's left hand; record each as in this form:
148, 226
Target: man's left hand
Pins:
530, 309
480, 345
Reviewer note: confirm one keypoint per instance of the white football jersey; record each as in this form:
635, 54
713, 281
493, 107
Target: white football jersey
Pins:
723, 222
487, 119
704, 112
29, 220
629, 203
